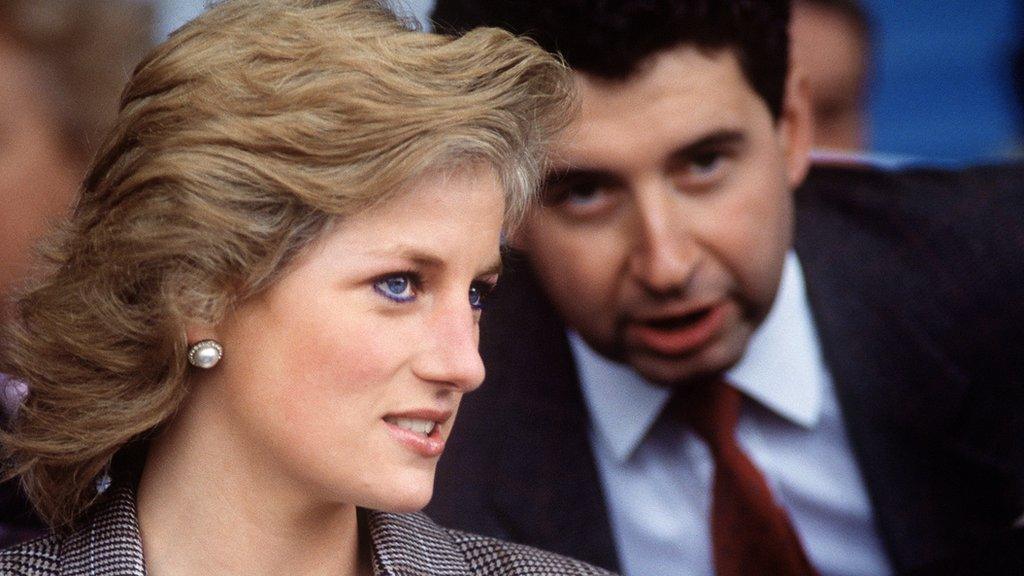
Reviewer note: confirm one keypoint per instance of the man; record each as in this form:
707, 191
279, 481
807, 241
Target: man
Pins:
870, 329
831, 45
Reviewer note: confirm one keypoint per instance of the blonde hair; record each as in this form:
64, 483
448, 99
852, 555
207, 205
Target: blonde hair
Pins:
238, 141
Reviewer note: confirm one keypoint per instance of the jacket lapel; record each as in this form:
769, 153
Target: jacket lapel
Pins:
547, 489
412, 545
877, 310
109, 543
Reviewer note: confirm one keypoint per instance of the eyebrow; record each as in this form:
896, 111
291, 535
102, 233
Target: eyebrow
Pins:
719, 138
426, 259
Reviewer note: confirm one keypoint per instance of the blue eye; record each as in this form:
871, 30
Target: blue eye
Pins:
478, 292
398, 287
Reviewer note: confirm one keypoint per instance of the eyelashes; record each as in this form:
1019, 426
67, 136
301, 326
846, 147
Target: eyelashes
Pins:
400, 286
405, 286
479, 291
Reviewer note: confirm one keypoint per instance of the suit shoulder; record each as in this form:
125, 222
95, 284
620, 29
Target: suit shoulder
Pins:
495, 557
37, 557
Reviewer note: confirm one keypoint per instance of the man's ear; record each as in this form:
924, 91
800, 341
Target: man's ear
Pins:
796, 127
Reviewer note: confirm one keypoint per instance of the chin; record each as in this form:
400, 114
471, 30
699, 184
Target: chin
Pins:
409, 493
707, 364
403, 504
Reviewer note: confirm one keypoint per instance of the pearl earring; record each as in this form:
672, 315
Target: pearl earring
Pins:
205, 354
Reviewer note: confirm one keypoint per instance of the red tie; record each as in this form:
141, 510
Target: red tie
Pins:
750, 533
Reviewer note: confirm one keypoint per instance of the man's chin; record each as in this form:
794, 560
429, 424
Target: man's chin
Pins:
682, 371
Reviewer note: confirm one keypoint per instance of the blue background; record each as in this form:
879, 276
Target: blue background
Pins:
943, 86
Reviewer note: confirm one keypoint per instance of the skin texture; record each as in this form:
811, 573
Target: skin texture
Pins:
833, 56
670, 202
283, 439
38, 176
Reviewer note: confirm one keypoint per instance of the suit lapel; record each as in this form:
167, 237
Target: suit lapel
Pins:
900, 395
547, 491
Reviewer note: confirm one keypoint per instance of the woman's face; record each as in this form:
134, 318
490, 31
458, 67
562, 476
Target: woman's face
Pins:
342, 381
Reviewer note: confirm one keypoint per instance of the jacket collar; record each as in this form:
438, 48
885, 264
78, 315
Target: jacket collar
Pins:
412, 545
109, 543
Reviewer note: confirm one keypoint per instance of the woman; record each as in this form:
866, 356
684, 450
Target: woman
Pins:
264, 311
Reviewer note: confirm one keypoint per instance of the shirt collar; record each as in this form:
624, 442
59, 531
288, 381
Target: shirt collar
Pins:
782, 369
622, 405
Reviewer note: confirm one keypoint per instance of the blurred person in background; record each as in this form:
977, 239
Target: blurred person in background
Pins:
63, 64
831, 44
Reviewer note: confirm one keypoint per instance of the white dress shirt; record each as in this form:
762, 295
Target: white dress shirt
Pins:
657, 475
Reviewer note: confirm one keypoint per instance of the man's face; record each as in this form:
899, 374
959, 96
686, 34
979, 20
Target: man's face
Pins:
668, 213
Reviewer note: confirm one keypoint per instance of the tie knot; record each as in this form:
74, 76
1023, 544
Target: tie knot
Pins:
711, 410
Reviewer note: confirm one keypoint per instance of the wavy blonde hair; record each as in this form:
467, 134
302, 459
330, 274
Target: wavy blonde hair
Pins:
238, 141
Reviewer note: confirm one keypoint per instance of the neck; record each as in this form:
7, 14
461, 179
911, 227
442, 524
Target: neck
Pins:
210, 511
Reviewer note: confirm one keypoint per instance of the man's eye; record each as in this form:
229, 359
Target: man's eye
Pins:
582, 194
707, 164
397, 287
702, 170
478, 293
582, 200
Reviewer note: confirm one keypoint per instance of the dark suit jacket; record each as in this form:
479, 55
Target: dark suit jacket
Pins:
108, 544
916, 283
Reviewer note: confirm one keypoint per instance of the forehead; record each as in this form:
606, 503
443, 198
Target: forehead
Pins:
681, 95
443, 210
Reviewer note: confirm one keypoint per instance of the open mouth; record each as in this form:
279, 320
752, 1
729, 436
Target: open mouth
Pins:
677, 322
419, 431
419, 426
678, 335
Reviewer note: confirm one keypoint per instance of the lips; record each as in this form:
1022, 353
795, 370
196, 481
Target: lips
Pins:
680, 334
419, 431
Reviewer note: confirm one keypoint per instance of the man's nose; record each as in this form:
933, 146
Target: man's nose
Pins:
664, 255
452, 356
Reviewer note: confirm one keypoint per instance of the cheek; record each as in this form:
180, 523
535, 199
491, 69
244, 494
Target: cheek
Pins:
331, 371
580, 269
755, 232
310, 372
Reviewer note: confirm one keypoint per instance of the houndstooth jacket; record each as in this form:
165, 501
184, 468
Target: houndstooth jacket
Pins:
108, 544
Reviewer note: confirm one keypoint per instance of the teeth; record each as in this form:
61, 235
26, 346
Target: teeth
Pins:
424, 427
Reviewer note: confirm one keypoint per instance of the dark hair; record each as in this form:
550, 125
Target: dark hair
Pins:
611, 38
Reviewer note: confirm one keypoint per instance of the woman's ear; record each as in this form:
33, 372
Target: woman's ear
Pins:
199, 332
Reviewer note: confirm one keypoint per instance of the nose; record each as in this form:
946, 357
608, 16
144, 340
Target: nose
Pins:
664, 256
451, 356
